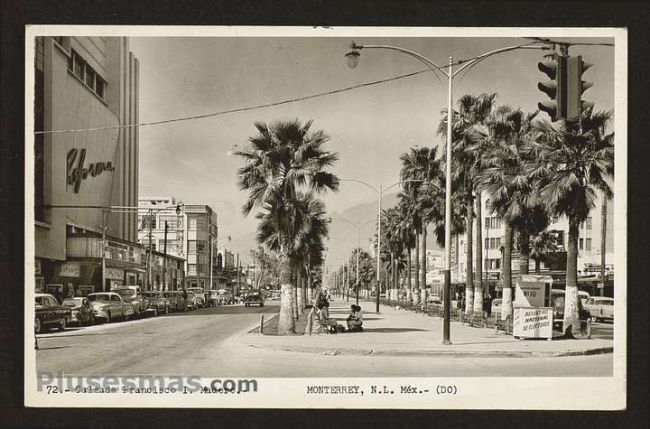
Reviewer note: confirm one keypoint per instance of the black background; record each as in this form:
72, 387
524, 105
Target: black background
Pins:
16, 14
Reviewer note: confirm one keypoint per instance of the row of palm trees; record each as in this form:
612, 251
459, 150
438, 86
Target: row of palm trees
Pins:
286, 167
530, 169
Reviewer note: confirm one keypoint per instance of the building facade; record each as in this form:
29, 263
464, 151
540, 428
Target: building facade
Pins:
91, 84
192, 234
589, 245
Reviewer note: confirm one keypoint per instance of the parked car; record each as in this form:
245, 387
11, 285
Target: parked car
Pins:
156, 302
191, 303
495, 309
49, 313
199, 296
176, 300
133, 295
557, 301
254, 298
600, 308
109, 306
81, 311
583, 296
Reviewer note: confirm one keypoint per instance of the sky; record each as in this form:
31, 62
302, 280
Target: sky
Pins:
368, 127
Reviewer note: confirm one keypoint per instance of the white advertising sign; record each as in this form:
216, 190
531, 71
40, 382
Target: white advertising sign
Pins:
533, 322
70, 269
531, 291
114, 273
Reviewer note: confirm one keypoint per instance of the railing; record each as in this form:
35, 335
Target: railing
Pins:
474, 318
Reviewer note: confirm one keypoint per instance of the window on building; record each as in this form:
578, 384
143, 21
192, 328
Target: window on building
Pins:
86, 74
581, 243
497, 264
191, 246
588, 244
589, 223
200, 246
487, 243
493, 242
498, 242
191, 269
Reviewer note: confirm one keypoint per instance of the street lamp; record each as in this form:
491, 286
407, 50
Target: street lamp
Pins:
358, 227
380, 193
353, 60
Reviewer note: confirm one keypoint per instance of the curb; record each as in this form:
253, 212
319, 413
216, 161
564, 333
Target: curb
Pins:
257, 324
439, 353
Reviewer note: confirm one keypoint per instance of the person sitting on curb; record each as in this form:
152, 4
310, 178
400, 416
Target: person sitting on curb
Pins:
355, 319
323, 315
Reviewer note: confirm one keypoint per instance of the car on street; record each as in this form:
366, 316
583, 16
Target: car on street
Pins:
156, 302
600, 308
557, 302
199, 296
81, 311
109, 306
133, 295
176, 300
495, 308
191, 303
49, 314
254, 298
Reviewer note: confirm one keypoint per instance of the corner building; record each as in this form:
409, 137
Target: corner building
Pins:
85, 83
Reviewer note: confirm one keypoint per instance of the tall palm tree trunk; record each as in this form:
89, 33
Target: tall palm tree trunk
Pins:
469, 262
418, 299
524, 252
506, 273
603, 244
478, 285
409, 293
423, 271
571, 317
294, 289
537, 266
286, 321
300, 302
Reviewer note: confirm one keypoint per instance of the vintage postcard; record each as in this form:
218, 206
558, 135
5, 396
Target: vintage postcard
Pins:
297, 217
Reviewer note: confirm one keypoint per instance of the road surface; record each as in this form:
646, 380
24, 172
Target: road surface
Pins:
207, 342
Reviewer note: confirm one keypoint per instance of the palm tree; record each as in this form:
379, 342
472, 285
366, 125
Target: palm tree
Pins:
310, 248
407, 233
425, 169
505, 176
282, 160
540, 246
472, 111
574, 160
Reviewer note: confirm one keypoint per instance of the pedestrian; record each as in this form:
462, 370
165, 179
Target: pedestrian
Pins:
355, 319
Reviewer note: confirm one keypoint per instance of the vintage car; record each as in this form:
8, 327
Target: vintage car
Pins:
193, 301
176, 300
254, 298
600, 308
82, 311
109, 305
156, 302
199, 296
557, 302
133, 295
49, 313
495, 308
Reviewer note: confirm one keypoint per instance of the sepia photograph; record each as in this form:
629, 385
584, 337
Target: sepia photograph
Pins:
326, 217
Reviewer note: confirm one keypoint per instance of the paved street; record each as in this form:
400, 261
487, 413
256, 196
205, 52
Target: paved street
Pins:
212, 342
171, 344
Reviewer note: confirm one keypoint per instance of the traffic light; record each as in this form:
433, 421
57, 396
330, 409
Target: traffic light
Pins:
576, 86
555, 88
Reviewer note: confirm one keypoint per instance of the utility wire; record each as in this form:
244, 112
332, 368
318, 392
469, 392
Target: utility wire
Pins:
241, 109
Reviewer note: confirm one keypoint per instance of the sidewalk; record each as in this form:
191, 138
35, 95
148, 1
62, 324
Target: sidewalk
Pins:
395, 332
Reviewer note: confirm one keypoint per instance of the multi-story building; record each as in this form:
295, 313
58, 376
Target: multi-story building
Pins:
88, 84
493, 229
191, 234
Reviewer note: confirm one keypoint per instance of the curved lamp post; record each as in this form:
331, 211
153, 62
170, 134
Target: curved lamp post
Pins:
353, 60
